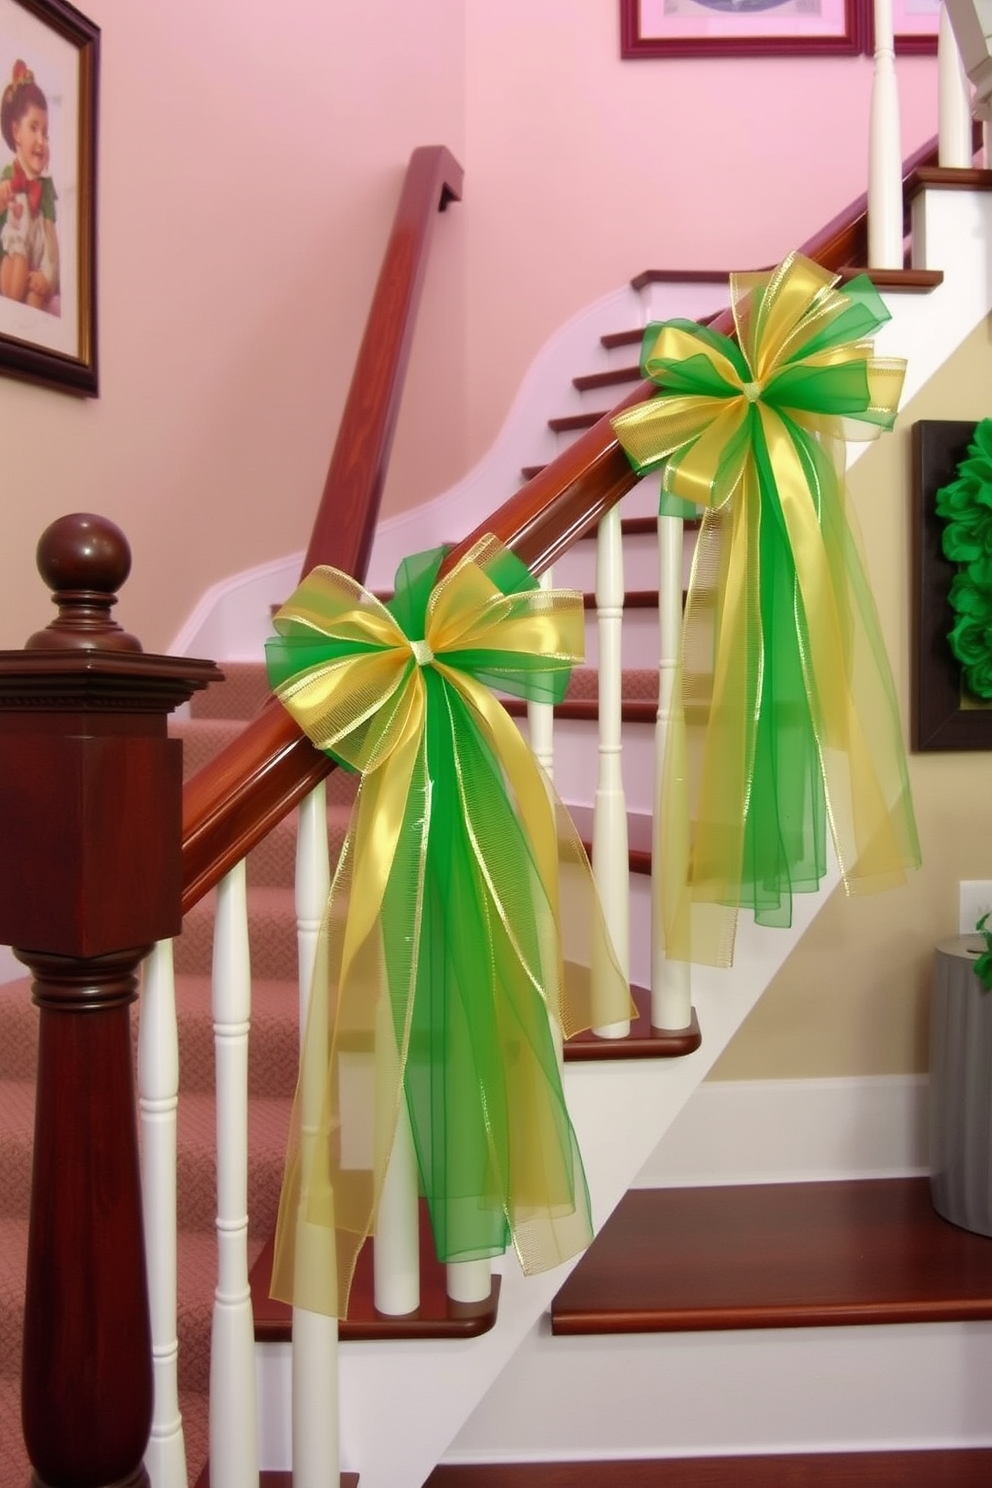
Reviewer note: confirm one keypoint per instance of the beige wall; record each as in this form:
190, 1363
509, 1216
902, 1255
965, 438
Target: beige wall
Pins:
250, 156
852, 999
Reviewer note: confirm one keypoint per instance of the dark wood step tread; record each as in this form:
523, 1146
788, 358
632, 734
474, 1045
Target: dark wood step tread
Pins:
572, 423
865, 1251
643, 1041
591, 380
969, 1467
269, 1478
437, 1316
679, 276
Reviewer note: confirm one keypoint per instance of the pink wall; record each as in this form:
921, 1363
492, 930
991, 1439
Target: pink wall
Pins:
250, 157
586, 169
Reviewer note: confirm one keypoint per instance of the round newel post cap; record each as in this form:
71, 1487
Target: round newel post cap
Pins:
84, 559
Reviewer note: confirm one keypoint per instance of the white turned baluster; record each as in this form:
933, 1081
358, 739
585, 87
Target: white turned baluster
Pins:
610, 860
954, 99
541, 716
396, 1249
316, 1448
469, 1281
233, 1435
671, 991
885, 228
158, 1099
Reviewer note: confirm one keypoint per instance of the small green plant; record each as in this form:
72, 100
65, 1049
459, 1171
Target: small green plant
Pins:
983, 966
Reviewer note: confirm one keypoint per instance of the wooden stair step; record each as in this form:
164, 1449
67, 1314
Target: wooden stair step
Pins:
615, 378
437, 1316
968, 1467
269, 1478
572, 423
865, 1251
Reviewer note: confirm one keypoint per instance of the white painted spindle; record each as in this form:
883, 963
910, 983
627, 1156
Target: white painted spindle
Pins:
396, 1250
469, 1281
233, 1435
671, 992
316, 1448
541, 716
610, 860
885, 225
953, 98
158, 1101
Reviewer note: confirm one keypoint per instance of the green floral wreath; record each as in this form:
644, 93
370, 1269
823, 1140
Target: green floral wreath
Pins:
966, 506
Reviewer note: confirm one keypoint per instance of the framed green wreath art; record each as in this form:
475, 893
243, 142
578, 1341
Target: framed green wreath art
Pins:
952, 585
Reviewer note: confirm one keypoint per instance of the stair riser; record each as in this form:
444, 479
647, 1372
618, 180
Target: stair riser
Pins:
770, 1390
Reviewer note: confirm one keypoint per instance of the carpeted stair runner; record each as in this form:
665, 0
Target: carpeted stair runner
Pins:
218, 715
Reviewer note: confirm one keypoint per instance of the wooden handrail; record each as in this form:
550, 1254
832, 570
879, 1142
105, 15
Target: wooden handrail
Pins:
232, 803
230, 806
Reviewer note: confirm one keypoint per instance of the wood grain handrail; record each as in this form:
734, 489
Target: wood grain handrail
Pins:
231, 803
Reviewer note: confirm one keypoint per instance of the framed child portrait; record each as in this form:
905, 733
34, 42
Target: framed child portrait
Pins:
739, 28
49, 70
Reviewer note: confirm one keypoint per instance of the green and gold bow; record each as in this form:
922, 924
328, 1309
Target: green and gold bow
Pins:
785, 710
460, 925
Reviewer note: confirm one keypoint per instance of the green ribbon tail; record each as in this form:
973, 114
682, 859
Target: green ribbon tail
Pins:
785, 824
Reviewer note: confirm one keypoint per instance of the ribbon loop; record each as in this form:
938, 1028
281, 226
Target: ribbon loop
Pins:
785, 711
445, 965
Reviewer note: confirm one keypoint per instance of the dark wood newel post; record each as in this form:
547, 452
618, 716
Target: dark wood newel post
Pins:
90, 878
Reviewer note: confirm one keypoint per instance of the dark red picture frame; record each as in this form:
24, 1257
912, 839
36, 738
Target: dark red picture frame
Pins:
848, 41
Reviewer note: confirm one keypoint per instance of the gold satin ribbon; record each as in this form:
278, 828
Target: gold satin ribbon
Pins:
367, 700
754, 434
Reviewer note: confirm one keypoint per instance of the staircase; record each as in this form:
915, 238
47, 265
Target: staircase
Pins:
620, 1108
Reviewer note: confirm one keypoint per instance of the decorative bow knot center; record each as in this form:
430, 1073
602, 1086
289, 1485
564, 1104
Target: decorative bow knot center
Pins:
422, 653
752, 391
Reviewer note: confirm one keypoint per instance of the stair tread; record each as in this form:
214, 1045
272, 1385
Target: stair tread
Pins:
953, 1467
776, 1255
436, 1317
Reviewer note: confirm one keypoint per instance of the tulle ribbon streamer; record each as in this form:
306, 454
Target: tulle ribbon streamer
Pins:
460, 927
785, 712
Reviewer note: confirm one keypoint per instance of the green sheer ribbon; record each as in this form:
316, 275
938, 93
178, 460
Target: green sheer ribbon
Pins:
965, 504
461, 925
785, 713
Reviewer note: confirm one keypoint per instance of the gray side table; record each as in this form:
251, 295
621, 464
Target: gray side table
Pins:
961, 1087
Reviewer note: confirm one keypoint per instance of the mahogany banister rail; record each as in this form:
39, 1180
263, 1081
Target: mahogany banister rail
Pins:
232, 803
230, 806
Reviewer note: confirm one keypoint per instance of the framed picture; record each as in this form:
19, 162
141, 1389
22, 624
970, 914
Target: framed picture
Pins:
915, 24
739, 28
49, 68
943, 714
